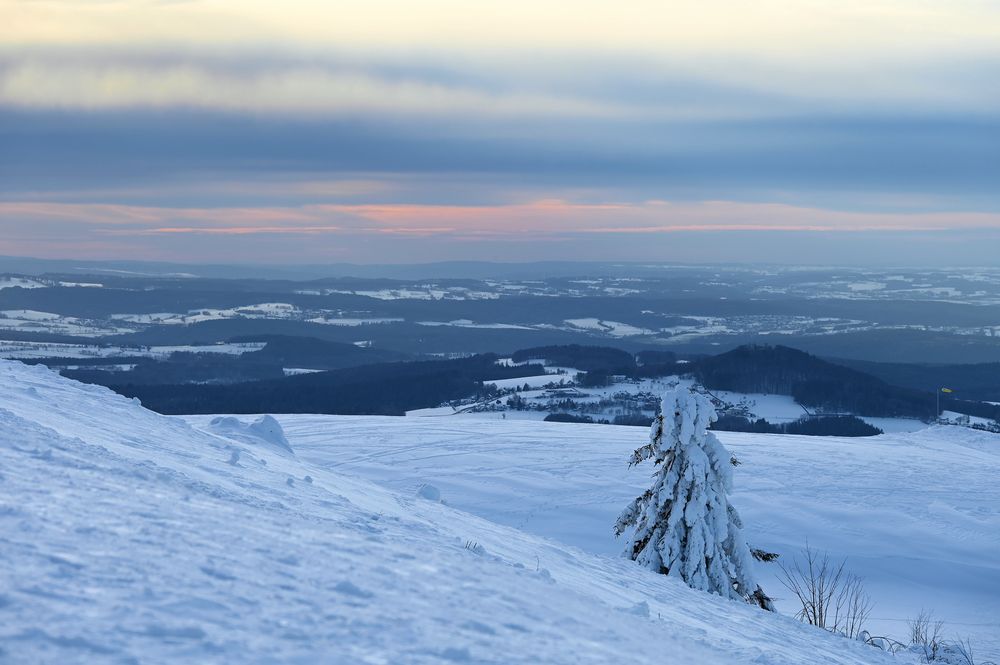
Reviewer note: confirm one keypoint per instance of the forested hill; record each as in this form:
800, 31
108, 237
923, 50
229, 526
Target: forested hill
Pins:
382, 389
813, 382
978, 381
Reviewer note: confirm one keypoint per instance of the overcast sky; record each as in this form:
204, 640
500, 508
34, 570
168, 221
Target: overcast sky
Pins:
384, 131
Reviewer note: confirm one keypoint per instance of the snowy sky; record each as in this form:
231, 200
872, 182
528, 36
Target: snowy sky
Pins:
395, 131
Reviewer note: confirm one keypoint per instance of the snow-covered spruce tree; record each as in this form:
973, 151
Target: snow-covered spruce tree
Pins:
684, 524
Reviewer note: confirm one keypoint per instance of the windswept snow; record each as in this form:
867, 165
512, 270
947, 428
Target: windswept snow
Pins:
126, 536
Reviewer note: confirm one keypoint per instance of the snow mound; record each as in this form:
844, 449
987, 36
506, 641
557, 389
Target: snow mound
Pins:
126, 536
429, 492
266, 431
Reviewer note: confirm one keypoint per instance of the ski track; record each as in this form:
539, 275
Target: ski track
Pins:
129, 537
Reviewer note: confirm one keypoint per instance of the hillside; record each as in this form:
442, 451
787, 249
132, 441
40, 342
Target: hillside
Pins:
133, 537
916, 514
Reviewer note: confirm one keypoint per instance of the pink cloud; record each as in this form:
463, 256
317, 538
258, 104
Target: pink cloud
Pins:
231, 230
42, 228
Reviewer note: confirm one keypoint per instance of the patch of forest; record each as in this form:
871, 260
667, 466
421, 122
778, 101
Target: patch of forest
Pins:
811, 381
380, 389
816, 426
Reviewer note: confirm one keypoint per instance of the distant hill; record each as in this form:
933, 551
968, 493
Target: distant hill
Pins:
978, 381
813, 382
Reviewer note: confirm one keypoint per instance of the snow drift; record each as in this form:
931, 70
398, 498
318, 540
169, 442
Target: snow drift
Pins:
265, 431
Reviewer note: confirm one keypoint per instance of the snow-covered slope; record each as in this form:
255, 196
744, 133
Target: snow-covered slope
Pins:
916, 514
134, 538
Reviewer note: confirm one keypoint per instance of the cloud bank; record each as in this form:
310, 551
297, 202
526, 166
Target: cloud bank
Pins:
147, 128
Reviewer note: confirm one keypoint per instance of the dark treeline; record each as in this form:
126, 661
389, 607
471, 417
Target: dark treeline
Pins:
568, 418
383, 389
818, 426
90, 361
980, 409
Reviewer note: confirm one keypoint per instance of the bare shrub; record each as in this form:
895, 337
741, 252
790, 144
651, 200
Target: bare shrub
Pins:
829, 596
961, 652
881, 642
926, 634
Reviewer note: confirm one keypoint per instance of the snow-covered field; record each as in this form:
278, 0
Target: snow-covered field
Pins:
129, 537
10, 282
28, 320
613, 400
916, 514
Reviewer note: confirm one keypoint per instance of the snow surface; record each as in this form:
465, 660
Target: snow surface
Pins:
130, 537
917, 514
